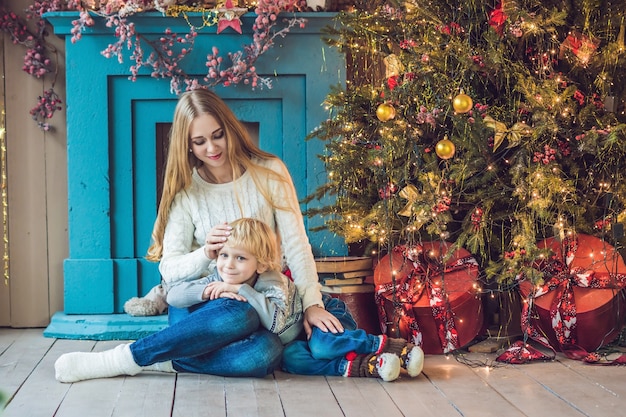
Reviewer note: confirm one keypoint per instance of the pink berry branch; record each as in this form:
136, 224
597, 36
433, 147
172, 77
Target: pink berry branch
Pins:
165, 53
36, 60
170, 49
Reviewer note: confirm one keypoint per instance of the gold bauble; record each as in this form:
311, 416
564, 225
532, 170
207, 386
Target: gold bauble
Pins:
445, 148
462, 103
385, 112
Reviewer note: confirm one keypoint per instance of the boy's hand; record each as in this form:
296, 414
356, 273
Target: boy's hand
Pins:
215, 290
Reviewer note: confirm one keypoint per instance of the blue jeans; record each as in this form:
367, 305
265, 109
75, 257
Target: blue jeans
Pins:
324, 353
220, 337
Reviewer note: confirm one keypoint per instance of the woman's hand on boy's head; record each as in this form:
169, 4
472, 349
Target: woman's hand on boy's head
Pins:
317, 316
215, 239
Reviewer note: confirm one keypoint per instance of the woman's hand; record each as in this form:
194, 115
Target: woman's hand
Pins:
322, 319
215, 240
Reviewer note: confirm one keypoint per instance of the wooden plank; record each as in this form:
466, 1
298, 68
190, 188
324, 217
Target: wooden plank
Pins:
362, 397
8, 336
56, 186
465, 390
5, 305
149, 394
609, 378
28, 241
306, 396
512, 383
20, 353
98, 396
584, 395
41, 394
252, 397
419, 396
146, 394
199, 396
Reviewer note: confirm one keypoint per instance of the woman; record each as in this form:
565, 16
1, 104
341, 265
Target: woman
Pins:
214, 174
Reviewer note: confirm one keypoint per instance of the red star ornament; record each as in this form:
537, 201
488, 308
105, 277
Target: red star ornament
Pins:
229, 17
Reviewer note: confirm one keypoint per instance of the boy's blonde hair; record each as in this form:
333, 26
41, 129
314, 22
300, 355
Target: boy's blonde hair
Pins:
259, 239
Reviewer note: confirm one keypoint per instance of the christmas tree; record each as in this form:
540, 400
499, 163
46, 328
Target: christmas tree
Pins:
490, 124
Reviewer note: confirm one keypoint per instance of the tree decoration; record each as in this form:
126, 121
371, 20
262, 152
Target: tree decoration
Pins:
582, 46
229, 17
393, 66
445, 148
513, 135
462, 103
385, 112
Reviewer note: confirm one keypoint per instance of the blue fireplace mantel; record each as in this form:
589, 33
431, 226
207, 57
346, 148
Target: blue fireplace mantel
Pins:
112, 126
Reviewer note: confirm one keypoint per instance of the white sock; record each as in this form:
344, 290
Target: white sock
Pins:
78, 366
160, 367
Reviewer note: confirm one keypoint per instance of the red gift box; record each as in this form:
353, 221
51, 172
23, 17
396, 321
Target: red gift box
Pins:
360, 302
599, 309
436, 304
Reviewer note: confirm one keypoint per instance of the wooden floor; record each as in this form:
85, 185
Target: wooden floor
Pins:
447, 387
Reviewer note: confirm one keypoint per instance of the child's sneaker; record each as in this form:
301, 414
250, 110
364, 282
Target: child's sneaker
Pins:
385, 366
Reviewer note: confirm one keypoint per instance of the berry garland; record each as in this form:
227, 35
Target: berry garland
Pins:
165, 53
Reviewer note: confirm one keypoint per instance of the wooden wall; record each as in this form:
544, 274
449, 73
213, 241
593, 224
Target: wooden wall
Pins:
37, 192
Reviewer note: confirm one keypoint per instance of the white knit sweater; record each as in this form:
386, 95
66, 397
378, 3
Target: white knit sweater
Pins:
202, 206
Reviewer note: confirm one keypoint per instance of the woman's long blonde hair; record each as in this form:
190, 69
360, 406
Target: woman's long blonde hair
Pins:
180, 162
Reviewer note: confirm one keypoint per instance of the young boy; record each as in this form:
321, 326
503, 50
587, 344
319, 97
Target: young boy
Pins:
250, 250
248, 270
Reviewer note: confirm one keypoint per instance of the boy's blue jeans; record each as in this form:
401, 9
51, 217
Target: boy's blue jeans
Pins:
324, 353
220, 337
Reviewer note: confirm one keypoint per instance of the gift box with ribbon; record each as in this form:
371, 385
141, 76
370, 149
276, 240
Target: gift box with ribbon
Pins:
581, 306
428, 295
